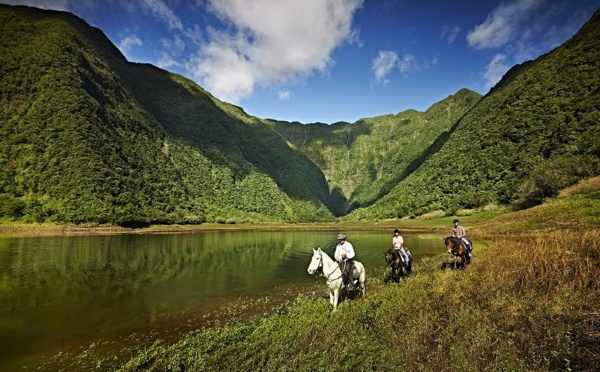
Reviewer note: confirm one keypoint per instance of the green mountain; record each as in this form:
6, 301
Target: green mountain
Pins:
87, 136
363, 161
535, 132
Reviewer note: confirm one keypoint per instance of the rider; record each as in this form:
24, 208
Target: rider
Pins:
344, 252
398, 243
459, 232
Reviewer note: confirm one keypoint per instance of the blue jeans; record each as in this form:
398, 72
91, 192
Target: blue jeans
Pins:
405, 255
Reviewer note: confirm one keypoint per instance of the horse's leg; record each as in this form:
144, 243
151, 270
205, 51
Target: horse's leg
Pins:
336, 297
362, 279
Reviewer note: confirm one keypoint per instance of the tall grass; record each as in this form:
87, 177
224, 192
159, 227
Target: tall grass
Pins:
527, 302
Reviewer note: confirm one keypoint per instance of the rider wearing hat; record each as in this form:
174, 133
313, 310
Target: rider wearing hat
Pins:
459, 232
344, 252
398, 243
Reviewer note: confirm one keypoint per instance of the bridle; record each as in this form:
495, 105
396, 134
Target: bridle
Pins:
454, 245
391, 260
319, 270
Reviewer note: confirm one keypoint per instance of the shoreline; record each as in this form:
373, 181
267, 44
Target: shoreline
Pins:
8, 230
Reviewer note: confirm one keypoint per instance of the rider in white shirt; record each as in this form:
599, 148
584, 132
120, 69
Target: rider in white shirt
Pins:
344, 252
398, 243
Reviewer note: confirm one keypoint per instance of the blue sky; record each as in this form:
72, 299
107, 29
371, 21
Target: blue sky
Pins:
333, 60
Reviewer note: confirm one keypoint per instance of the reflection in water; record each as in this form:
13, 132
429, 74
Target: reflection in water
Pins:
54, 290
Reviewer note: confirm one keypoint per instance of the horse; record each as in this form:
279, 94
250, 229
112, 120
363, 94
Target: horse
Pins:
324, 265
395, 261
456, 247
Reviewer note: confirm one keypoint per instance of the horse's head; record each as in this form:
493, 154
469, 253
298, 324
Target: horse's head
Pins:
448, 244
389, 257
452, 244
316, 263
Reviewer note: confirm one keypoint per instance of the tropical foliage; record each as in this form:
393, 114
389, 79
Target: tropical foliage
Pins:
86, 136
366, 159
542, 115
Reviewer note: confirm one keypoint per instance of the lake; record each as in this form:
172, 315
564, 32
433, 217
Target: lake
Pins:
68, 291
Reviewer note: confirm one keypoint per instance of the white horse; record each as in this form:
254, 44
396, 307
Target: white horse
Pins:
332, 271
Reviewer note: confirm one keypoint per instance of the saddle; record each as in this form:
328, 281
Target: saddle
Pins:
408, 254
347, 267
467, 244
456, 243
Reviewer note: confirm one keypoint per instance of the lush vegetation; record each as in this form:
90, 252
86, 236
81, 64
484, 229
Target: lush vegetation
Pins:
87, 137
529, 301
542, 121
363, 161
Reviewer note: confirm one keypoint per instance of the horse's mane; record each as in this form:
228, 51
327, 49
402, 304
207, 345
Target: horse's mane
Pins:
395, 255
455, 241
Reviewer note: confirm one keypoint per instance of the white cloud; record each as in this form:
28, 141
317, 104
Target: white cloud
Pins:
502, 24
171, 49
270, 42
450, 33
495, 70
386, 61
284, 94
160, 10
382, 64
165, 60
127, 43
177, 45
409, 64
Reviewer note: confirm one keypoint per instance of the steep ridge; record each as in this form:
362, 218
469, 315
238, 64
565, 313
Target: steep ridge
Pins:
364, 160
538, 126
88, 136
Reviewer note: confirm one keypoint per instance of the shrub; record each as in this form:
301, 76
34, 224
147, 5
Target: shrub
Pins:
552, 175
11, 206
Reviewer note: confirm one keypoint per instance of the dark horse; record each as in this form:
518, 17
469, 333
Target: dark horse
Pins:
456, 247
396, 263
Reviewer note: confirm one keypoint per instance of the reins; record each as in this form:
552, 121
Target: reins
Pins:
329, 280
456, 246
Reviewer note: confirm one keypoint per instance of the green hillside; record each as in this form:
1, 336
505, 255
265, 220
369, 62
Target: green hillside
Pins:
363, 161
86, 136
535, 132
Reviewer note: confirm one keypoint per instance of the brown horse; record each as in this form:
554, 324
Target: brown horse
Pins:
394, 260
457, 248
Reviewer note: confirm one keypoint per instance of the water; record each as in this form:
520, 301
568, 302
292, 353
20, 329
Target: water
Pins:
60, 291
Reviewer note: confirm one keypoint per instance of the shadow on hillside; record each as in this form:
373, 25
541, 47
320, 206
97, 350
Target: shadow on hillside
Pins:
439, 142
225, 134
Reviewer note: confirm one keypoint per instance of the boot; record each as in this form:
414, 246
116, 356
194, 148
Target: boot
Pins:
350, 285
350, 281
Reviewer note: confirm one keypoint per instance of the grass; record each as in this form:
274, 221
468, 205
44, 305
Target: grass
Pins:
530, 301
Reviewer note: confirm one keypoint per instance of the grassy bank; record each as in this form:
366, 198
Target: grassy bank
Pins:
529, 301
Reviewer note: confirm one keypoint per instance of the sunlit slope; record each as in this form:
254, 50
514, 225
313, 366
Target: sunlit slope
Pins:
86, 136
539, 125
364, 160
